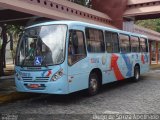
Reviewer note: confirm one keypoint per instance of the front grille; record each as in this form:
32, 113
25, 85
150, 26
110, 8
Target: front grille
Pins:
40, 79
37, 79
27, 79
33, 68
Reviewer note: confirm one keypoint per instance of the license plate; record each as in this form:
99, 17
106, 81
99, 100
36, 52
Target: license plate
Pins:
34, 85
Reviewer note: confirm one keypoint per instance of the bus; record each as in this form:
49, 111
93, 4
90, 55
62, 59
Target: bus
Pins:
62, 57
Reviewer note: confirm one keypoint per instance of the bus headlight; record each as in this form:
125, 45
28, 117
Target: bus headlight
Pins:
57, 75
18, 76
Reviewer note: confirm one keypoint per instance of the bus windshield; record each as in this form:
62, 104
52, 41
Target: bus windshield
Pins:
42, 46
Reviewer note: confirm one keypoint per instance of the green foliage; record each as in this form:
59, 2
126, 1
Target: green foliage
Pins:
83, 2
153, 24
14, 32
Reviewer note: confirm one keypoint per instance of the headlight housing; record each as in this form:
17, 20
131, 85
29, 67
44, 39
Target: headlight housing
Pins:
57, 75
19, 77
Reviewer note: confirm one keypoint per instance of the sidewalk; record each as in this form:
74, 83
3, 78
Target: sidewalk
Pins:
7, 84
8, 91
7, 77
155, 66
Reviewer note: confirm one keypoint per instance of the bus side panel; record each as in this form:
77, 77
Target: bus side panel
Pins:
119, 66
144, 62
128, 62
113, 67
78, 75
108, 74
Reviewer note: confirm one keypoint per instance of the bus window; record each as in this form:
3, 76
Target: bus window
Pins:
143, 45
95, 40
124, 43
111, 40
76, 46
134, 44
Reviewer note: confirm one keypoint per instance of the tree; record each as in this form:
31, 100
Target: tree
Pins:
3, 48
14, 32
153, 24
8, 33
86, 3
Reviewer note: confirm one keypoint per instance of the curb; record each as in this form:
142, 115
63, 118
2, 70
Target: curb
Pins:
14, 96
154, 68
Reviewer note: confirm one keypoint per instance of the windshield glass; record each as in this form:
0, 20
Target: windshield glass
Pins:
41, 46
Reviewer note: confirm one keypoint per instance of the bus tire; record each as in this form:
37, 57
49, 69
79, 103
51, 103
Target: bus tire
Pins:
136, 76
94, 84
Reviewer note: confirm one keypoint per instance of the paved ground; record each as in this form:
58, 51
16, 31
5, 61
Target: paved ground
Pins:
7, 81
119, 97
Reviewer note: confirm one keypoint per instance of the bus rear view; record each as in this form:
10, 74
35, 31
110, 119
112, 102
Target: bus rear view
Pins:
40, 65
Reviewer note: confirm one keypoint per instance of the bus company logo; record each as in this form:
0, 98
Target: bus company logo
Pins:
94, 60
46, 73
135, 56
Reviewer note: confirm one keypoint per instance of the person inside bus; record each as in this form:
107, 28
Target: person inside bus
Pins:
31, 51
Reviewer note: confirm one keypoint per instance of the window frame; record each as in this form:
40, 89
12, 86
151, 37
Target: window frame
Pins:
138, 42
85, 50
101, 30
146, 43
120, 42
112, 32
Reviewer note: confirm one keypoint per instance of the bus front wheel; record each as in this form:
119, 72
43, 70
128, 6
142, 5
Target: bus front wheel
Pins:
93, 84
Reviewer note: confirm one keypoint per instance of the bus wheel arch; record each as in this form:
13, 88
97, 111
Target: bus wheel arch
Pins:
136, 75
94, 81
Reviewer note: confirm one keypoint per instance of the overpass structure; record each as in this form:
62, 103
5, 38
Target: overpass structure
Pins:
113, 13
142, 9
23, 10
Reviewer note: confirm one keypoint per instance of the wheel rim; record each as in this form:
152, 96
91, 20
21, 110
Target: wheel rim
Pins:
93, 85
137, 75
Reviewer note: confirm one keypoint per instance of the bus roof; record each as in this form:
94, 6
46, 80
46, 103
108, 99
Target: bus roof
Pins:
72, 23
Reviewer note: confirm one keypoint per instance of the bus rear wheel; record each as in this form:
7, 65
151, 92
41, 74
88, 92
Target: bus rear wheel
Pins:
93, 84
136, 76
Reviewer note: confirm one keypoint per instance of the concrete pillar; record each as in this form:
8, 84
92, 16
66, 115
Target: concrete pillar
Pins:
113, 8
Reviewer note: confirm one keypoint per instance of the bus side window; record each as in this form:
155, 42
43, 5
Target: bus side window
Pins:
135, 44
111, 40
124, 43
95, 40
76, 46
143, 45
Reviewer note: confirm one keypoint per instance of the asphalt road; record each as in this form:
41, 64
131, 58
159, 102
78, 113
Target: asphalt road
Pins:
126, 97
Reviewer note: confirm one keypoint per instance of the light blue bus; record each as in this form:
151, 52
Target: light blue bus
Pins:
62, 57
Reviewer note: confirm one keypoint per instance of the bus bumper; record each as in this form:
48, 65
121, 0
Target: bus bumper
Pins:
51, 87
